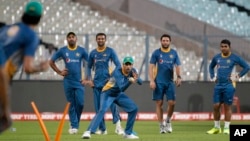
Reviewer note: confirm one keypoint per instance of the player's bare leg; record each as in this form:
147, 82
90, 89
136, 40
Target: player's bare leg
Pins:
216, 112
5, 120
170, 111
228, 114
159, 112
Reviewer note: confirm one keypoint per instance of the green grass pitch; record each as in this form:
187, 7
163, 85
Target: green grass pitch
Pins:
146, 130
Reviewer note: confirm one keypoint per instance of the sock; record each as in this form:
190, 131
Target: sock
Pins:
118, 123
217, 124
226, 124
168, 119
161, 123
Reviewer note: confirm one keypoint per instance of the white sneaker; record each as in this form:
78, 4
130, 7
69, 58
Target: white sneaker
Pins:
131, 136
73, 131
119, 130
99, 132
86, 135
163, 129
169, 128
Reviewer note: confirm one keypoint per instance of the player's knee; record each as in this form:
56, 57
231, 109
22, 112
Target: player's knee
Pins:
135, 109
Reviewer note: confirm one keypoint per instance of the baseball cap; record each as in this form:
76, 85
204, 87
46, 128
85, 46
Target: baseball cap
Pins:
71, 33
34, 8
128, 59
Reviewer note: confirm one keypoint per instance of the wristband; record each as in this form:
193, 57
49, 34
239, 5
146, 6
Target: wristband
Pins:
179, 76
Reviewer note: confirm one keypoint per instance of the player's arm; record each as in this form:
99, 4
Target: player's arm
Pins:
54, 66
151, 72
89, 66
178, 71
115, 59
29, 67
88, 70
136, 77
117, 76
56, 69
151, 76
211, 68
30, 48
178, 75
84, 81
244, 65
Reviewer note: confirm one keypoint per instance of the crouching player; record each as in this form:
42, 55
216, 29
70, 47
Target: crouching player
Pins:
113, 92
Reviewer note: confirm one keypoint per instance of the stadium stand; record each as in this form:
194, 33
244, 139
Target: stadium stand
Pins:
215, 13
63, 16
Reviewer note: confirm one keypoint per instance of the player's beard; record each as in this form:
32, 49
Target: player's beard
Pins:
225, 52
101, 44
128, 70
165, 46
72, 43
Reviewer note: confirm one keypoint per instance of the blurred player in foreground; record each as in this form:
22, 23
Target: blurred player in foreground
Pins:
73, 56
18, 44
100, 60
163, 61
224, 89
113, 92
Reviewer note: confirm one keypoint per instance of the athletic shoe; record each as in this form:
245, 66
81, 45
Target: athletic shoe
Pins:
119, 130
162, 129
86, 135
214, 131
169, 128
73, 131
5, 123
131, 136
226, 131
99, 132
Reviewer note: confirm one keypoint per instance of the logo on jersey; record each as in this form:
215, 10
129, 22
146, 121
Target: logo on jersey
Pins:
228, 61
67, 54
67, 59
160, 61
77, 54
171, 56
104, 54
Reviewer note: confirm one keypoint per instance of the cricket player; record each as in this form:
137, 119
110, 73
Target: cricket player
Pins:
18, 44
224, 89
113, 92
73, 84
99, 61
165, 59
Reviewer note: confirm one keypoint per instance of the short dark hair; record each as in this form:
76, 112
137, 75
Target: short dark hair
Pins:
226, 41
70, 33
166, 35
2, 24
100, 34
30, 20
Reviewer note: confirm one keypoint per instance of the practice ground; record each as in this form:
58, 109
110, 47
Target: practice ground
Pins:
146, 130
